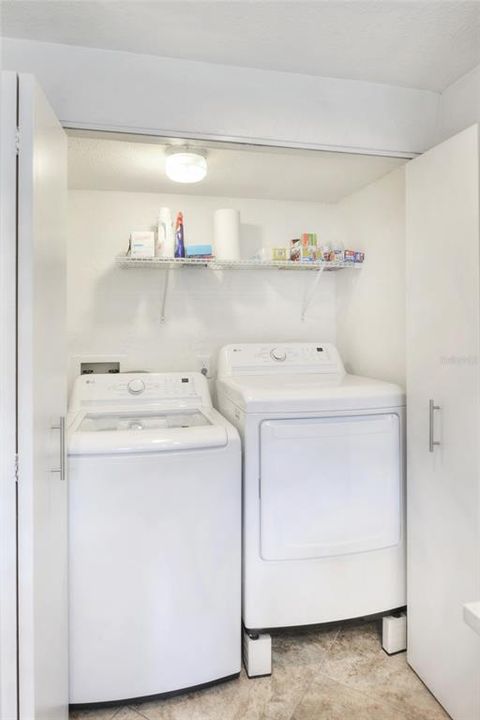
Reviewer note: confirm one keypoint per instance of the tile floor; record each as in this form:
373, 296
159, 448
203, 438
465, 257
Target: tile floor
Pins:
325, 673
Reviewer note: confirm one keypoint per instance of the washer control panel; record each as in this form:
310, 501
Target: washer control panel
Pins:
256, 358
183, 389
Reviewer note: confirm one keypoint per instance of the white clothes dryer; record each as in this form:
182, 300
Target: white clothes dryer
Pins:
323, 484
155, 537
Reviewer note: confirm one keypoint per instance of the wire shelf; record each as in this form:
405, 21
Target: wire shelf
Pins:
126, 262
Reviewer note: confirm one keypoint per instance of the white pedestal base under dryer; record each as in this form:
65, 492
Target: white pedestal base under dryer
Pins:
155, 538
323, 484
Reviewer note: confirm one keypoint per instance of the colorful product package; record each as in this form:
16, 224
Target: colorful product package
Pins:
308, 248
279, 253
309, 239
325, 252
295, 249
198, 251
354, 256
308, 253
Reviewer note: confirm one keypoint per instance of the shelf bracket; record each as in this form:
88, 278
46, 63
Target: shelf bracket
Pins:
163, 316
308, 297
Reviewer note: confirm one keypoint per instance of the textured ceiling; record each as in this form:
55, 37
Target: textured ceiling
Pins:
415, 43
263, 173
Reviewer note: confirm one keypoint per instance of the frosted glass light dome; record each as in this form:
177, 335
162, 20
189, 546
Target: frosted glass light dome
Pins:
184, 165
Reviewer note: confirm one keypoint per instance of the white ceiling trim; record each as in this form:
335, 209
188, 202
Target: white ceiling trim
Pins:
111, 90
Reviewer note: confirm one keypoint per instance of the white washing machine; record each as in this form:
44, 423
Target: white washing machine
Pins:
323, 484
155, 537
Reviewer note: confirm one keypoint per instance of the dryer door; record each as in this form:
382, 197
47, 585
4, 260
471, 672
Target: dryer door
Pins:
330, 486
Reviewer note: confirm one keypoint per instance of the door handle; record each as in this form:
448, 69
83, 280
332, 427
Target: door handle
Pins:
431, 429
471, 615
61, 428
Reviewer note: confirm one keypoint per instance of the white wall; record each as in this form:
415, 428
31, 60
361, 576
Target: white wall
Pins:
371, 302
117, 312
96, 88
459, 105
107, 89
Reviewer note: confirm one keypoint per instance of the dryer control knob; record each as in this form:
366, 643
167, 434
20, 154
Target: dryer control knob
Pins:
135, 387
277, 354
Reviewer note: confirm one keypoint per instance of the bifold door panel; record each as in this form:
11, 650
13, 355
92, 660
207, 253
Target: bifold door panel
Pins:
329, 486
42, 399
443, 347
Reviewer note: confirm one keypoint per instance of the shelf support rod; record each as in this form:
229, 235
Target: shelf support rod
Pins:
308, 297
163, 316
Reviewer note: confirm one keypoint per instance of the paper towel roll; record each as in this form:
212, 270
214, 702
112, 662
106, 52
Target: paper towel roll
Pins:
226, 234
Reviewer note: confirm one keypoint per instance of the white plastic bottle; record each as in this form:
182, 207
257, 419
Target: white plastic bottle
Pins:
166, 236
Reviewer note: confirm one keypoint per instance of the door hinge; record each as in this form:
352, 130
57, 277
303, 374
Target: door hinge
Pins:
17, 141
16, 471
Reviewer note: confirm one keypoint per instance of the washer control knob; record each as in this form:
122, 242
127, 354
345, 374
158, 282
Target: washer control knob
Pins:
135, 387
277, 354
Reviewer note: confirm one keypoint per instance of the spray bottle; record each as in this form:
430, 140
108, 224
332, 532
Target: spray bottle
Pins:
179, 238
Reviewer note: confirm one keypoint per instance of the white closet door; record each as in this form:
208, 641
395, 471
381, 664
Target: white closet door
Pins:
443, 356
8, 400
42, 489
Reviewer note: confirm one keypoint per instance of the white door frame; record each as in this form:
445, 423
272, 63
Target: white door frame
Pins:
8, 397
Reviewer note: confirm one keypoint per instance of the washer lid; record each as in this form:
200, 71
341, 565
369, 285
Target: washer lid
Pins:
105, 432
309, 393
141, 421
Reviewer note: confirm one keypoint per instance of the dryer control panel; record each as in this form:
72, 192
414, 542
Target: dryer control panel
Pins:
266, 358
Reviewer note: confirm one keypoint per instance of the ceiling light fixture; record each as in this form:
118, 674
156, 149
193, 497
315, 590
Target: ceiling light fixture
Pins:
185, 165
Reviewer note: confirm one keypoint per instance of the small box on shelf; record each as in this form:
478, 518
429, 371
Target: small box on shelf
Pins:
142, 244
